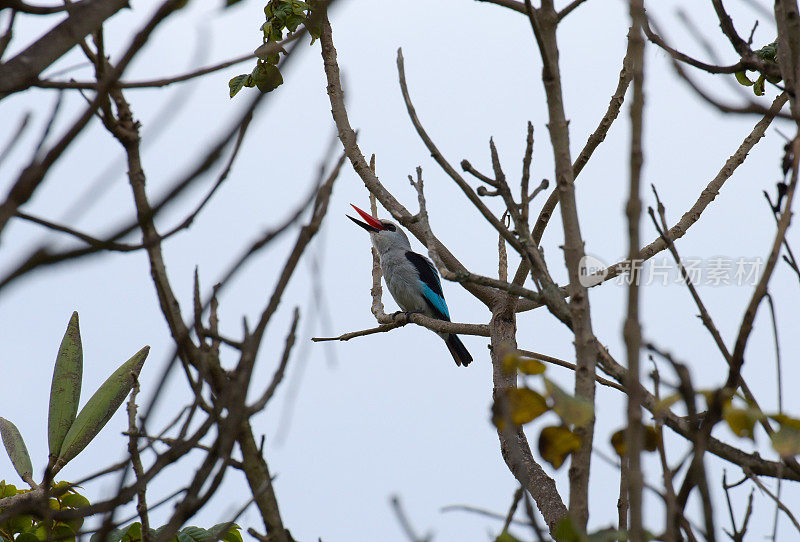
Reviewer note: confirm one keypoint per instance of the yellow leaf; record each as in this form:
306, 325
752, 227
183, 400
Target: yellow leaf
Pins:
524, 405
513, 362
786, 441
556, 443
651, 439
649, 443
667, 402
530, 366
786, 421
618, 442
510, 363
742, 421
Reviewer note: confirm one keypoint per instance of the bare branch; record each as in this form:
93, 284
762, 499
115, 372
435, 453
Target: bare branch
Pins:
570, 366
772, 496
569, 8
85, 17
632, 330
708, 194
270, 48
278, 376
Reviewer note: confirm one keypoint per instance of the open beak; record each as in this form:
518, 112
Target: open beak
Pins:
371, 224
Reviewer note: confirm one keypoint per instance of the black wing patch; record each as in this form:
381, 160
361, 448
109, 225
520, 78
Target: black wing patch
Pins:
430, 278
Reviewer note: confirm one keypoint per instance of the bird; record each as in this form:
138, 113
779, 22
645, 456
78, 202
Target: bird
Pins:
411, 278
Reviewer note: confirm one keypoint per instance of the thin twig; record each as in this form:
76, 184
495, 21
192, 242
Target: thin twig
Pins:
772, 496
157, 83
402, 518
570, 366
709, 193
136, 463
279, 372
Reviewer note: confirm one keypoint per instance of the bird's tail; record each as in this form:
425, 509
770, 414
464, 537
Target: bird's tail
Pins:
458, 350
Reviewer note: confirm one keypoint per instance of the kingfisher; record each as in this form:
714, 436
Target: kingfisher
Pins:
411, 278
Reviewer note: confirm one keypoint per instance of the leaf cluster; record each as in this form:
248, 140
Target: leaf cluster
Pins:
280, 15
522, 405
768, 53
741, 416
69, 431
28, 528
226, 532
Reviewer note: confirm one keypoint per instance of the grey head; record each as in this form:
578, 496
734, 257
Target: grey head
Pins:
385, 235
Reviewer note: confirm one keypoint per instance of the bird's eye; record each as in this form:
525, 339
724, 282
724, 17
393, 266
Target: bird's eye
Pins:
390, 227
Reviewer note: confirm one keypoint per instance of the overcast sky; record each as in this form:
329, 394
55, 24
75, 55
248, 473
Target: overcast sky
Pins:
389, 413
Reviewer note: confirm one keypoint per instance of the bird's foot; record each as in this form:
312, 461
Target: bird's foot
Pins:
407, 314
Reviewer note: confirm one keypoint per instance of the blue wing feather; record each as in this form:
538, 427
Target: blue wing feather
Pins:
430, 283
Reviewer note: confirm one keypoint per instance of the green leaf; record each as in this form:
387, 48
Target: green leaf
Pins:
231, 534
75, 524
556, 443
20, 523
17, 452
229, 3
293, 21
101, 406
608, 535
237, 83
63, 533
267, 77
505, 536
742, 78
194, 534
316, 12
275, 33
133, 532
758, 86
768, 52
156, 533
573, 411
7, 490
74, 500
26, 537
566, 531
115, 535
65, 390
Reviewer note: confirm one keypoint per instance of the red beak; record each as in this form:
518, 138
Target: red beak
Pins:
371, 224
